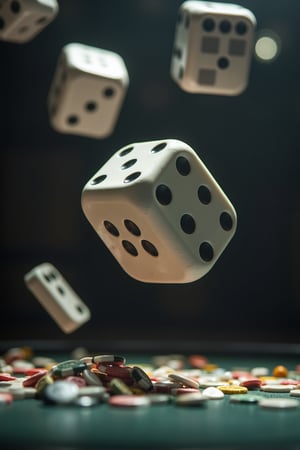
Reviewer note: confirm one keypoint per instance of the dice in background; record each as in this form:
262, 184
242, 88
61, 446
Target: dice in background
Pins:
57, 297
213, 48
22, 20
159, 211
87, 91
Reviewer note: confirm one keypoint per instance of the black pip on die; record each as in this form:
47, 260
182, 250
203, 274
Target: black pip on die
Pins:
87, 91
160, 212
213, 48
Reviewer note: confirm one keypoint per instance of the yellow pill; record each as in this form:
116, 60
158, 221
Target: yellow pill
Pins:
280, 372
119, 387
210, 367
50, 365
268, 378
137, 391
233, 389
27, 352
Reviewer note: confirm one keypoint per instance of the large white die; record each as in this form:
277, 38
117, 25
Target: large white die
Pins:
87, 91
160, 212
22, 20
213, 48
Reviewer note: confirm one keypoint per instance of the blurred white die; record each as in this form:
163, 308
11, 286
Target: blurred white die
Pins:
160, 212
87, 91
213, 48
22, 20
58, 298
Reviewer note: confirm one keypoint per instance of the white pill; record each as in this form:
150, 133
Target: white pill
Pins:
186, 381
92, 391
276, 387
191, 399
86, 401
91, 378
213, 393
260, 371
61, 392
279, 403
295, 392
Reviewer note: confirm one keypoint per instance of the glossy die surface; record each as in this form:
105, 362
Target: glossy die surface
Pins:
159, 211
22, 20
213, 48
57, 297
87, 91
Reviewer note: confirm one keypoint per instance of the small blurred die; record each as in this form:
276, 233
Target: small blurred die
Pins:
87, 91
22, 20
213, 48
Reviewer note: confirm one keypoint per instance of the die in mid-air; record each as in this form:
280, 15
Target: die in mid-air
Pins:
213, 48
57, 297
87, 91
22, 20
159, 211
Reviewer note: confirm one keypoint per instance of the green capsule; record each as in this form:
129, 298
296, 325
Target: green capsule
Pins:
245, 398
68, 368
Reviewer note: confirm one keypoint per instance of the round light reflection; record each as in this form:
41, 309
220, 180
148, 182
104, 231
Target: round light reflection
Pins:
267, 46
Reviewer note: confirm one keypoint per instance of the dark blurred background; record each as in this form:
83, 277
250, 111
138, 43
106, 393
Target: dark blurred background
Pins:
250, 143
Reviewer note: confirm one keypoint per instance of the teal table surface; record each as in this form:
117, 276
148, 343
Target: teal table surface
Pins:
219, 424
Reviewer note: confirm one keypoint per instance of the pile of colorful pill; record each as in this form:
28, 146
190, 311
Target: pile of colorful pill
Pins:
105, 378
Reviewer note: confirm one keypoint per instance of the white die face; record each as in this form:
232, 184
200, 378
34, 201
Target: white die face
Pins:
96, 61
87, 91
22, 20
57, 297
160, 212
213, 48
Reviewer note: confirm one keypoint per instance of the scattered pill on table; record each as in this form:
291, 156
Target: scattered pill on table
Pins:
106, 379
